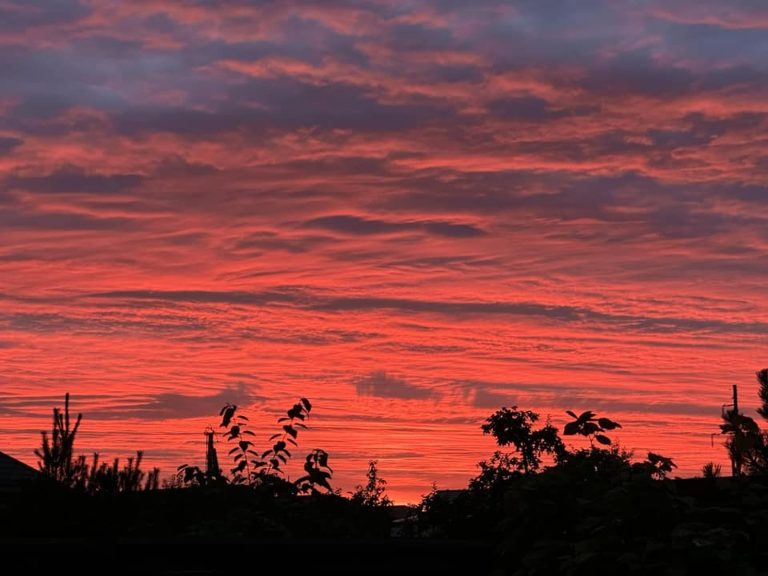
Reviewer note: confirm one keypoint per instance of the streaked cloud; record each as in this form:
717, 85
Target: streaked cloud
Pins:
380, 384
474, 195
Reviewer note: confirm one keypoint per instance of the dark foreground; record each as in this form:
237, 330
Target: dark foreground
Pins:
214, 556
547, 524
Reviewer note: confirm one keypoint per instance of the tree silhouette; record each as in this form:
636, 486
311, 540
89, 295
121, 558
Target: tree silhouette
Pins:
762, 379
57, 462
372, 494
511, 426
55, 454
745, 445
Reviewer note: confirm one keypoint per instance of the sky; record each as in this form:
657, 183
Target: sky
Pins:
412, 213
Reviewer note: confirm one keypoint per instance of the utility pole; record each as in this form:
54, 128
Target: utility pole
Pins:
735, 464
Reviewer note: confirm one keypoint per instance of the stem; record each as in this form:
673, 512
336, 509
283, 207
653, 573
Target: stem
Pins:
245, 456
283, 439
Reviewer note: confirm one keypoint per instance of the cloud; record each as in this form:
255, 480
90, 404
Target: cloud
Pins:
566, 396
17, 16
72, 179
361, 226
381, 385
172, 405
13, 217
564, 191
7, 144
565, 314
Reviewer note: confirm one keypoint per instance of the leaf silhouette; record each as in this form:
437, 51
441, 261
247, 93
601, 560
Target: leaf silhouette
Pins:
603, 439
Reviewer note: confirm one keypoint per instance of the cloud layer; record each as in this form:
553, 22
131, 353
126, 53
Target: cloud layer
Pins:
554, 204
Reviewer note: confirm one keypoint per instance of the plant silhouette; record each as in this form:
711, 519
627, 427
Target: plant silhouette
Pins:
589, 425
55, 454
510, 426
545, 507
265, 469
373, 493
746, 444
56, 461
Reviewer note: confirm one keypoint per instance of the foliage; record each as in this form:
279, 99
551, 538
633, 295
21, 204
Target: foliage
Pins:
55, 455
656, 466
593, 463
264, 470
237, 433
589, 425
279, 454
745, 443
711, 470
762, 380
57, 462
318, 473
495, 474
442, 515
515, 427
373, 493
593, 511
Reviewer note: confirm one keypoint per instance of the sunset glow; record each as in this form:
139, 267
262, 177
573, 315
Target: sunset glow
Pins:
410, 212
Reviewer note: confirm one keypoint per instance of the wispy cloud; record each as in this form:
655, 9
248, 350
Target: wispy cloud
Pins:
173, 405
566, 193
381, 384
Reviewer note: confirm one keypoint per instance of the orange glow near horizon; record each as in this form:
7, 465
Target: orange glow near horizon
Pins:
411, 215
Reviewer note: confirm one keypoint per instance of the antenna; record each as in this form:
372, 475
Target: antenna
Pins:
212, 469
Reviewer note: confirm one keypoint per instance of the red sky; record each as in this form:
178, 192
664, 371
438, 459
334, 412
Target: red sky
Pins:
412, 213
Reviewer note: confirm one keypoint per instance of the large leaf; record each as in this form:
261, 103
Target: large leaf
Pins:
603, 439
571, 428
226, 414
589, 428
586, 416
608, 424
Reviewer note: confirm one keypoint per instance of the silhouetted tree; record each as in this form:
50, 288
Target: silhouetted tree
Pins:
511, 426
495, 474
373, 493
762, 380
57, 461
55, 454
745, 443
